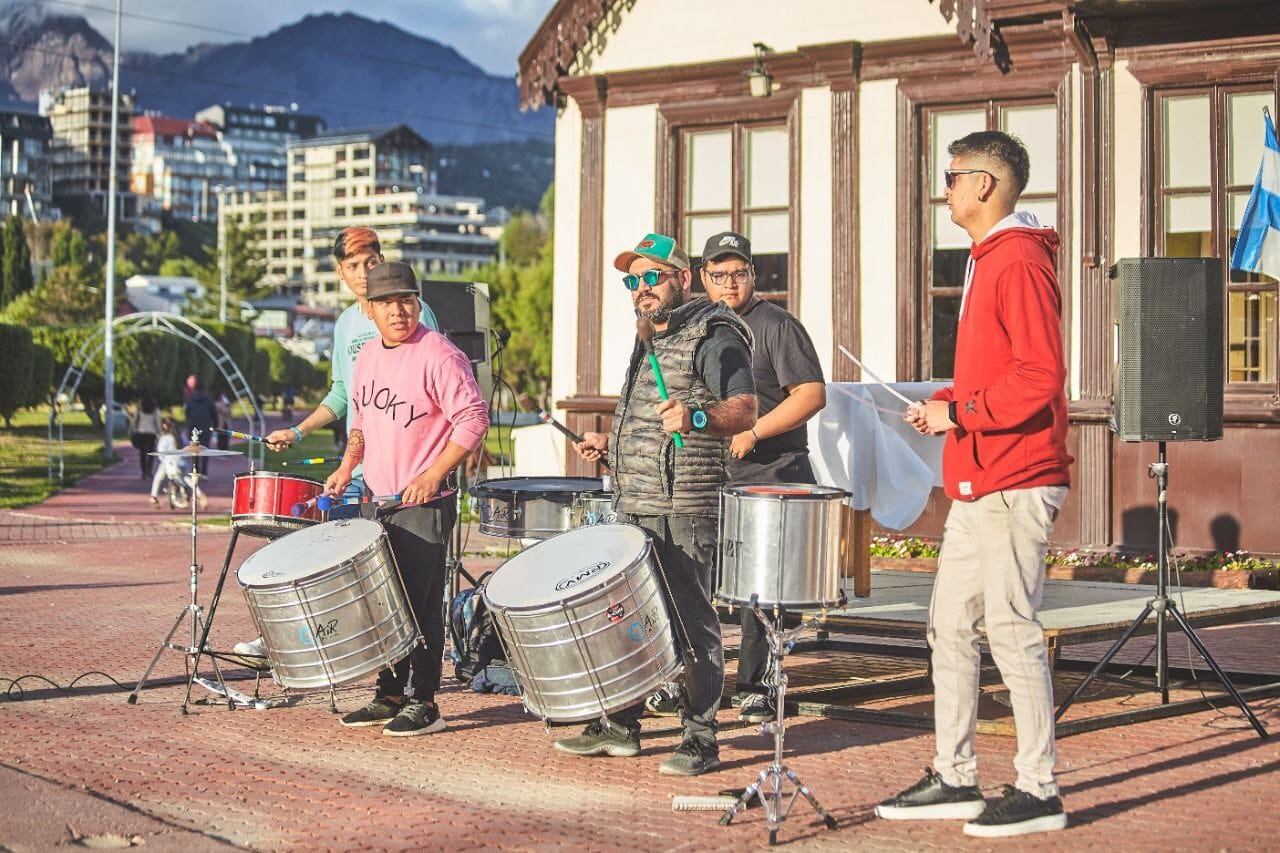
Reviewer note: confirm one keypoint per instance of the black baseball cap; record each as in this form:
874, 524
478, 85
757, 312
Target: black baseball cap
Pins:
727, 243
392, 278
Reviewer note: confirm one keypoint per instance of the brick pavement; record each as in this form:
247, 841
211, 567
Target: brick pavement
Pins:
291, 778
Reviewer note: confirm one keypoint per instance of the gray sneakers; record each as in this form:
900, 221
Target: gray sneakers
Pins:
377, 713
693, 757
757, 708
603, 737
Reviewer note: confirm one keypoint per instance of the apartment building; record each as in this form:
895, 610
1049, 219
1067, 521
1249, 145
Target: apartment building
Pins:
177, 165
26, 188
80, 151
257, 139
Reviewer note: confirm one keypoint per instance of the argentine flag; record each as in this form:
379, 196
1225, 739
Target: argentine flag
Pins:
1258, 248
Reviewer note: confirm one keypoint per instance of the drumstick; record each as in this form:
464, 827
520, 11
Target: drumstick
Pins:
244, 435
878, 380
314, 460
545, 417
645, 330
326, 502
299, 508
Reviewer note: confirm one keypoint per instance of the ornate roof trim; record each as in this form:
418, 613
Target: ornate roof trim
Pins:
572, 30
976, 28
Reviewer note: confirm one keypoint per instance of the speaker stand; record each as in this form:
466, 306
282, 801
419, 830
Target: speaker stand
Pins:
1164, 607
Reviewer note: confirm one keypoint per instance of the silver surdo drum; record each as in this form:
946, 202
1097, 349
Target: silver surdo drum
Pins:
329, 603
538, 507
582, 619
781, 545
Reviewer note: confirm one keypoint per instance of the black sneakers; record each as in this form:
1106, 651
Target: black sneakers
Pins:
933, 799
1018, 813
757, 708
415, 718
376, 713
603, 737
693, 757
664, 703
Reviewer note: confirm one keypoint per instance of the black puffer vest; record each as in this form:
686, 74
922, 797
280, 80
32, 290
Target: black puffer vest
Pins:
651, 475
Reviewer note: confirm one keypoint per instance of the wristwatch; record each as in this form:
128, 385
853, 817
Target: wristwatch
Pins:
951, 413
698, 417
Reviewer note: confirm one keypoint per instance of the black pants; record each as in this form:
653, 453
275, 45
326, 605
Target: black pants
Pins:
419, 537
146, 444
686, 547
753, 652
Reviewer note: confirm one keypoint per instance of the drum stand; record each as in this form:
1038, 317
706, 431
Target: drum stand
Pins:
193, 611
770, 787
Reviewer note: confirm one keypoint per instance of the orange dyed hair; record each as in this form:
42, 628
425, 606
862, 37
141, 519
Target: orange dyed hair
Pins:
353, 241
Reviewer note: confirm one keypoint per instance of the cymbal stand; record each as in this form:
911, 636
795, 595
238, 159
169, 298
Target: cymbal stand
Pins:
192, 610
771, 786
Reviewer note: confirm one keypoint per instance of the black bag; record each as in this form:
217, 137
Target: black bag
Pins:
135, 438
473, 632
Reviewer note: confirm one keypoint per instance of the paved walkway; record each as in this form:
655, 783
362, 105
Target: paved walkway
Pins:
81, 762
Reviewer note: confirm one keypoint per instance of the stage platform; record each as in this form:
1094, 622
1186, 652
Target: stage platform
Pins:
875, 659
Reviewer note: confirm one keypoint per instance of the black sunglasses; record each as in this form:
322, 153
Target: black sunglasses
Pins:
650, 277
950, 175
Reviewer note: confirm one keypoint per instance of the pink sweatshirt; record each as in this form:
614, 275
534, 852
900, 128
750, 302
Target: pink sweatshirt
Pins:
410, 401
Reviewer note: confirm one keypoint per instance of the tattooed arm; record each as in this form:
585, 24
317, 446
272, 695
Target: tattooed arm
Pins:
341, 478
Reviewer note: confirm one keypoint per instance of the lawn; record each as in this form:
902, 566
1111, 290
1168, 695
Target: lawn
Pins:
24, 456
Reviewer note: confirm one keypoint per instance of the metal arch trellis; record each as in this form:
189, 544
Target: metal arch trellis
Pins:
151, 321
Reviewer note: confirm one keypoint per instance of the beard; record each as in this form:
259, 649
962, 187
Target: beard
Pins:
673, 299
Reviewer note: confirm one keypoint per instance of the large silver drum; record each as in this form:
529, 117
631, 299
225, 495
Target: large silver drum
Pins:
780, 545
582, 618
329, 603
538, 507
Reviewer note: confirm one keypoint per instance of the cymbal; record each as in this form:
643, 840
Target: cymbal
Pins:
196, 450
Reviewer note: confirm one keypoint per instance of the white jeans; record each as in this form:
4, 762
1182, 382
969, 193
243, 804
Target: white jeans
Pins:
992, 570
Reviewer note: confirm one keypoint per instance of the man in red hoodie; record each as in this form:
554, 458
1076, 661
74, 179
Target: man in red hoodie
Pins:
1005, 467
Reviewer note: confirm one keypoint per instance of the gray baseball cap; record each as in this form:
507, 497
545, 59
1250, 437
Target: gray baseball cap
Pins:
726, 243
393, 278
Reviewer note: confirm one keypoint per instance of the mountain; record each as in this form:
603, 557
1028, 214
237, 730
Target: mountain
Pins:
344, 67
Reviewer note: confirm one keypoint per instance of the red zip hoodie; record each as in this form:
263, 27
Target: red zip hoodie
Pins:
1010, 374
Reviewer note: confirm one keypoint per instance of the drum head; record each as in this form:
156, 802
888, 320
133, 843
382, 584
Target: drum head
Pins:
785, 491
534, 487
305, 552
557, 568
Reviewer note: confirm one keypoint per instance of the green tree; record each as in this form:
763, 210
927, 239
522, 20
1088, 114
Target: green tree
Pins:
15, 261
246, 265
67, 296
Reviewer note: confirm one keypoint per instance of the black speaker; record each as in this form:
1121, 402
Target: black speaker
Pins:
1168, 349
462, 309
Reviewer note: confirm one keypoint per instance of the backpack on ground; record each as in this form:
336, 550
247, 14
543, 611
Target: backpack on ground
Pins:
473, 632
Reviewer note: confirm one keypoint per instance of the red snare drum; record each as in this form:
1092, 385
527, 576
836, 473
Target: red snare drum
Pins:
261, 503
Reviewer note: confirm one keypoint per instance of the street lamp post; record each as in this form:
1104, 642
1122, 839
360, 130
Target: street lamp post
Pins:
108, 348
222, 253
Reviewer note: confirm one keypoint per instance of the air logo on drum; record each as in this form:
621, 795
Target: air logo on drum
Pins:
733, 548
575, 579
311, 636
641, 628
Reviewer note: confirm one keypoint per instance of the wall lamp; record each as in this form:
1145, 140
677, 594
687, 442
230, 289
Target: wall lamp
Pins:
758, 79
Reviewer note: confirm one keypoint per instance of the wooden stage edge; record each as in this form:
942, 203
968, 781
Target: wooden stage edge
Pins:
1072, 613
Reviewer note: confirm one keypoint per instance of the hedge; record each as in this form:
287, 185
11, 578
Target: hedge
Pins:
28, 371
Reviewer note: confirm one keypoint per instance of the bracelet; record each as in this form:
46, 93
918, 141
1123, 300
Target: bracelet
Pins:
755, 435
297, 432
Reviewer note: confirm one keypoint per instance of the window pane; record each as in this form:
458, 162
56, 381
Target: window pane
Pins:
1186, 141
768, 232
1251, 348
768, 177
947, 128
1037, 127
946, 234
1045, 210
697, 229
771, 276
708, 176
945, 311
1187, 227
1245, 124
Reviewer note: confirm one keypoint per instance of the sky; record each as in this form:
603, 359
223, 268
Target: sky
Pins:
490, 33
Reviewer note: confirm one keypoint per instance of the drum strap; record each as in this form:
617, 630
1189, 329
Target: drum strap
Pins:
662, 572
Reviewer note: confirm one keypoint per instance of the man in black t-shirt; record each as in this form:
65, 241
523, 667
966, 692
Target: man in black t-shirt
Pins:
791, 389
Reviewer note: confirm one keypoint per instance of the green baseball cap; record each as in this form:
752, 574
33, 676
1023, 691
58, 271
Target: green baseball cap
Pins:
655, 247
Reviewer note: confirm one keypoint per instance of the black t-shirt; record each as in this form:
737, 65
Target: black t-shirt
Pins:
201, 412
723, 361
783, 355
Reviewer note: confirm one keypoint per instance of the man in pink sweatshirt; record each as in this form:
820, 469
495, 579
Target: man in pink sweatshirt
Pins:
417, 414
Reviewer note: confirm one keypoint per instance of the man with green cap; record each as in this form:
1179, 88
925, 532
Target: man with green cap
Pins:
672, 491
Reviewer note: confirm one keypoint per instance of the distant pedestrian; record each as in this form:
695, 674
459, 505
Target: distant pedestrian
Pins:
169, 473
223, 406
143, 431
201, 414
286, 403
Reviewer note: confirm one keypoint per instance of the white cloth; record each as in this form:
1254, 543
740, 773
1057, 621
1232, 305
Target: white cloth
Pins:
860, 443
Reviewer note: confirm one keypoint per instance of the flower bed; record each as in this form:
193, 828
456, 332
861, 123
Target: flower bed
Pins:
1224, 570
